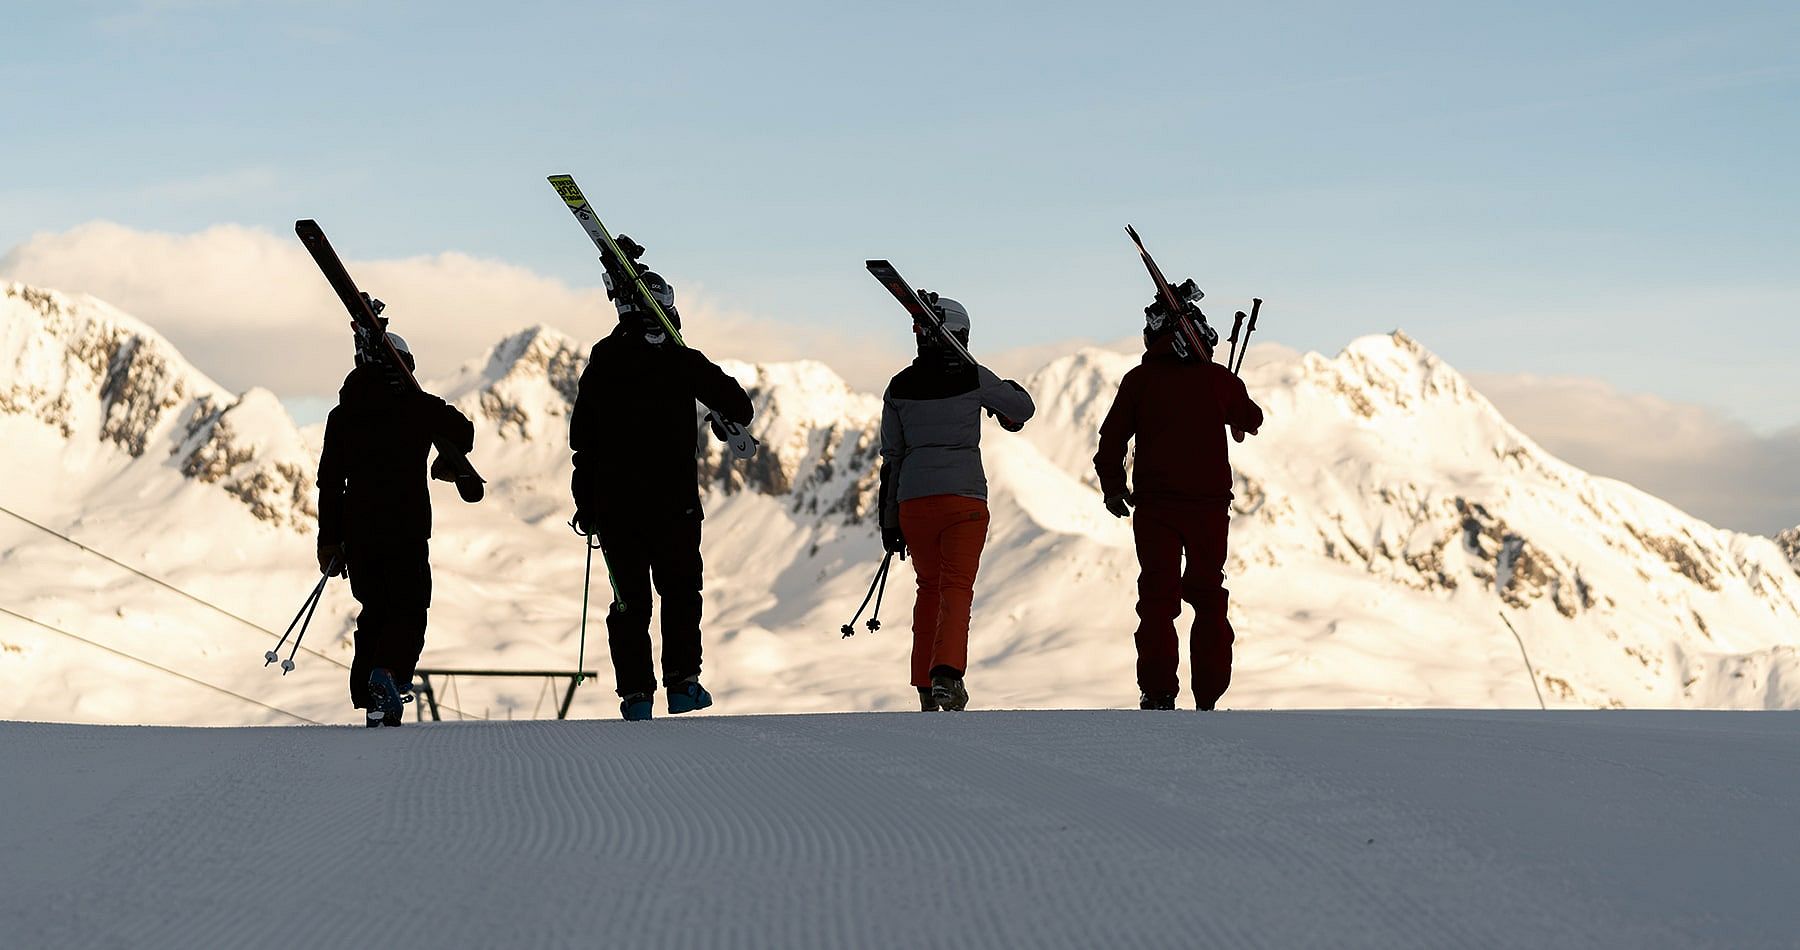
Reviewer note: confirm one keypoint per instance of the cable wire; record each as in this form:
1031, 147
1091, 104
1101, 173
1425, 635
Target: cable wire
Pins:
176, 590
158, 668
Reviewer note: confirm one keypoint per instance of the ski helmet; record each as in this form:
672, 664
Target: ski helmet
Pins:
364, 355
956, 317
629, 302
931, 345
1193, 336
633, 312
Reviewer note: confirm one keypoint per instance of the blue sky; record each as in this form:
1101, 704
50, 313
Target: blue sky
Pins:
1599, 189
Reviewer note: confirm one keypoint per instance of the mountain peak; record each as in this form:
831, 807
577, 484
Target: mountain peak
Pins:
93, 374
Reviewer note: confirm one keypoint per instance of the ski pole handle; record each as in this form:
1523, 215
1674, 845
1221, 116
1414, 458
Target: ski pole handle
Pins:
1255, 308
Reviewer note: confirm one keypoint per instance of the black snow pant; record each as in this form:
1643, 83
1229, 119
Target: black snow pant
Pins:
640, 550
392, 581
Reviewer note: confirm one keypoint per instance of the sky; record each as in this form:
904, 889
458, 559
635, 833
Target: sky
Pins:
1597, 194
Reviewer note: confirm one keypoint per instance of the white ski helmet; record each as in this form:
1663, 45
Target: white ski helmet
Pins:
400, 346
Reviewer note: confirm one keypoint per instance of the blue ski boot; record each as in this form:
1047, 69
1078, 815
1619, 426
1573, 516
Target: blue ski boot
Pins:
387, 707
636, 707
687, 697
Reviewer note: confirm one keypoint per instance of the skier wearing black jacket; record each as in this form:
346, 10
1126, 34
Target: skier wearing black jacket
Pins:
634, 434
375, 517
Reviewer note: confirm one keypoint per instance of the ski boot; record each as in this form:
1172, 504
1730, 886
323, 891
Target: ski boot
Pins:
636, 707
948, 692
688, 696
1156, 700
387, 705
927, 703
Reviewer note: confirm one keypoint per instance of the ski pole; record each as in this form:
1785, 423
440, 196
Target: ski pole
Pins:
592, 541
306, 610
879, 583
880, 592
1236, 325
1255, 305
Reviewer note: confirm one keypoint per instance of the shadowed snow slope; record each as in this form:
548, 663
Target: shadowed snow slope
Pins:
1385, 518
1042, 830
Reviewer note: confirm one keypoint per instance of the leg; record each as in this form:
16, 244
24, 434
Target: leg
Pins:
412, 598
627, 557
1203, 587
921, 532
370, 586
676, 568
1158, 602
960, 546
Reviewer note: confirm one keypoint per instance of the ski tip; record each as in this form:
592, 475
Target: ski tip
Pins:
1131, 231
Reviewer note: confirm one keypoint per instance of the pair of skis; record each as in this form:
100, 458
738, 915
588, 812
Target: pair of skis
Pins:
742, 444
925, 315
1184, 324
452, 463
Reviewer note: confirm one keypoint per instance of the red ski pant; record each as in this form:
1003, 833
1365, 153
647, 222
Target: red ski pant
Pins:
1165, 533
945, 534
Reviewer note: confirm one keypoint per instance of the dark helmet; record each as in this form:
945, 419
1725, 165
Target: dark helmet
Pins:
633, 312
1159, 322
956, 320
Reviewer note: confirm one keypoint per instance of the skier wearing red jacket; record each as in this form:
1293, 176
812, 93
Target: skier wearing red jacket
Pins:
1177, 405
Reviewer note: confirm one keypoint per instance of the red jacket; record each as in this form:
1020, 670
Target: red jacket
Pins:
1178, 412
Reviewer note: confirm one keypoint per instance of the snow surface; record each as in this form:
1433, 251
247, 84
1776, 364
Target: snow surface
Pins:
1026, 829
1385, 519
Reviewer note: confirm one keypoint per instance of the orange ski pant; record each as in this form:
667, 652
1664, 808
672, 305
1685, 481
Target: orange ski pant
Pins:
945, 534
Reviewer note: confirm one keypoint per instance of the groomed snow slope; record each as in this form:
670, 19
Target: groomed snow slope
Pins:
1030, 829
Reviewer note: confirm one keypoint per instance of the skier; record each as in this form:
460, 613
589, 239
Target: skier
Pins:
375, 518
934, 493
1177, 408
635, 485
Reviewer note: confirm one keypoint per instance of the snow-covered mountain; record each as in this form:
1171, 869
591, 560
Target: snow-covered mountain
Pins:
1386, 519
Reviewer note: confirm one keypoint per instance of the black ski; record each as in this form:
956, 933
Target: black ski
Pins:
620, 264
369, 328
925, 316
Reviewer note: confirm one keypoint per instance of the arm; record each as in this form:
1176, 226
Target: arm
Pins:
893, 455
455, 427
719, 391
1243, 414
332, 479
585, 443
1004, 397
1118, 429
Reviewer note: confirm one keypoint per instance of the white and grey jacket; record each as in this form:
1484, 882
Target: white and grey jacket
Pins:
931, 431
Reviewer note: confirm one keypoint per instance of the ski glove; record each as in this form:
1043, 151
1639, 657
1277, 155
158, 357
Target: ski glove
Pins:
587, 522
892, 541
328, 554
1006, 423
1119, 505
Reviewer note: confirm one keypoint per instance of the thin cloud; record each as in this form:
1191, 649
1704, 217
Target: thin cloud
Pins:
1695, 458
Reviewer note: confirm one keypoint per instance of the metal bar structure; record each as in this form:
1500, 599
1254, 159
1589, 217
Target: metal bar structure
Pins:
425, 689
